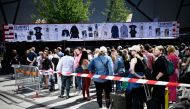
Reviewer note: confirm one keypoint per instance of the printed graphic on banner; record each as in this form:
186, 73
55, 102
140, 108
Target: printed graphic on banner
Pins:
96, 31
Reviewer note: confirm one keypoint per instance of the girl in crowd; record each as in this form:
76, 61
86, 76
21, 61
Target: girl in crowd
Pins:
172, 57
136, 70
83, 68
119, 67
46, 66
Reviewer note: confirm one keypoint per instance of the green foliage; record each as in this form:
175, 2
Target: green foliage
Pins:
117, 11
63, 11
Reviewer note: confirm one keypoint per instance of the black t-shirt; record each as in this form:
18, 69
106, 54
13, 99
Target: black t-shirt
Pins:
65, 33
139, 66
160, 66
133, 31
74, 32
38, 33
115, 31
55, 62
46, 64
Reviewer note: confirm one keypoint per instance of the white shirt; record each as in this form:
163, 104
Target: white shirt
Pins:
66, 65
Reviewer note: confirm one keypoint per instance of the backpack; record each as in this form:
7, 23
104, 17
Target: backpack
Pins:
170, 67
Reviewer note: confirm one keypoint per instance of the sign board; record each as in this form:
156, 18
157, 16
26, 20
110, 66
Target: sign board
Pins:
96, 31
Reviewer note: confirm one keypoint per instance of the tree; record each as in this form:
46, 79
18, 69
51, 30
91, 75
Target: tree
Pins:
63, 11
117, 11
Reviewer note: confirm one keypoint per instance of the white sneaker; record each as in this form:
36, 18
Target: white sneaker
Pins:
78, 93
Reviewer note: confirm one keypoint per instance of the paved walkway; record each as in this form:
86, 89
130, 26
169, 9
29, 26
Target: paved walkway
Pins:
9, 99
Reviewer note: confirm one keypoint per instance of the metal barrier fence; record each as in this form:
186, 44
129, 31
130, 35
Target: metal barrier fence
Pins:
27, 77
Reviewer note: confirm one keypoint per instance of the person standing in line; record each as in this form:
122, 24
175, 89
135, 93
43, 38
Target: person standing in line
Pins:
136, 70
59, 52
102, 65
55, 61
159, 74
119, 67
65, 65
173, 78
84, 62
149, 56
78, 80
47, 65
32, 57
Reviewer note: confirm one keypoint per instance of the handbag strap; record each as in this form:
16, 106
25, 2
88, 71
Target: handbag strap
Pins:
105, 65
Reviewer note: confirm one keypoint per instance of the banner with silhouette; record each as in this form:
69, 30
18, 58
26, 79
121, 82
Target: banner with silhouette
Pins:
93, 31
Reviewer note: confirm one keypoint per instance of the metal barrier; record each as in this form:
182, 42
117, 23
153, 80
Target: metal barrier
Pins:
27, 77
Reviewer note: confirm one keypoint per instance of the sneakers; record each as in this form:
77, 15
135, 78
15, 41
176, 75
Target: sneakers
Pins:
78, 92
67, 97
60, 96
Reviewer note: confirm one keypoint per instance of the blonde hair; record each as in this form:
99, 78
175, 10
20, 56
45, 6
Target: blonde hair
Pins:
170, 49
161, 48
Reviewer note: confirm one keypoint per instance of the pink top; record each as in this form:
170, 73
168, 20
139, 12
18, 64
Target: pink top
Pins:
76, 60
174, 59
150, 59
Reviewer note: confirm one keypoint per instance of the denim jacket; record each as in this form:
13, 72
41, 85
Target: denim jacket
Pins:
99, 67
119, 66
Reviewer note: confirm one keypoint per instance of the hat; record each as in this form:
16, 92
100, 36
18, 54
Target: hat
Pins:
135, 48
119, 47
103, 49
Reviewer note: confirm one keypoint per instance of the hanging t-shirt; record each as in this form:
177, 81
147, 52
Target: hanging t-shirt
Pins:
115, 32
150, 31
74, 32
65, 33
141, 31
105, 32
124, 31
158, 32
38, 33
133, 31
84, 34
96, 31
90, 32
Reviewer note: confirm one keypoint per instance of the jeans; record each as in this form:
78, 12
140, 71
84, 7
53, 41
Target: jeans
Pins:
51, 83
79, 82
66, 82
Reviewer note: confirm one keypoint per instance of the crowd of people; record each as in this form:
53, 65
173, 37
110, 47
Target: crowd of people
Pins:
137, 61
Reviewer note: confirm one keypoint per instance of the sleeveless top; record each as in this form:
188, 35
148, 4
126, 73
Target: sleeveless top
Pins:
139, 66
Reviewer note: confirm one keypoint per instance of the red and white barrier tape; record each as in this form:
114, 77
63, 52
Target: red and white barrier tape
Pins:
132, 80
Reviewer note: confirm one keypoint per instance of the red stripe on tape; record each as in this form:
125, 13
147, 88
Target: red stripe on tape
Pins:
79, 74
90, 75
102, 77
172, 84
151, 82
117, 78
68, 73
